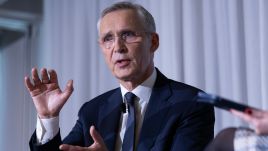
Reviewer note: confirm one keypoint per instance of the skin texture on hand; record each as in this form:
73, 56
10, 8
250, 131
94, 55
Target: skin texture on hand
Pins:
258, 119
47, 96
98, 144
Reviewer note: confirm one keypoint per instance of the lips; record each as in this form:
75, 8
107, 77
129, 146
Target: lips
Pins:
122, 62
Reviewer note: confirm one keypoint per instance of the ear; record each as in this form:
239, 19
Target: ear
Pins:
155, 42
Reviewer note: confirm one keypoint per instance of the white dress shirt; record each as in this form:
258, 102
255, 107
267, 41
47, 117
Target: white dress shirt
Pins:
143, 93
47, 129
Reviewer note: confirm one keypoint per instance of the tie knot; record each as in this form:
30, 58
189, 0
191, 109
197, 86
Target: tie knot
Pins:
130, 97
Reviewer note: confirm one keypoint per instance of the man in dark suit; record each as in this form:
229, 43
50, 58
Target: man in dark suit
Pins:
147, 112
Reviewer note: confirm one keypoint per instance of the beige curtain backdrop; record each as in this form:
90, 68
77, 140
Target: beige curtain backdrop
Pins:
218, 46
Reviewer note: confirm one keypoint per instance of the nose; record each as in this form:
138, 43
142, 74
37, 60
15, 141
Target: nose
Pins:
119, 45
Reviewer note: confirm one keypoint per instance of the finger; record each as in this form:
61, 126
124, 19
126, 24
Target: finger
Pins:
44, 76
68, 90
257, 113
53, 76
66, 147
242, 115
35, 77
28, 84
96, 136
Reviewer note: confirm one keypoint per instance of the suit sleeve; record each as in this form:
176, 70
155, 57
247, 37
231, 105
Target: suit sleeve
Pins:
196, 129
51, 145
75, 137
79, 134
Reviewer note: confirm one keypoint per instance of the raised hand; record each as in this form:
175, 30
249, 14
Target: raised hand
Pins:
257, 118
98, 144
46, 94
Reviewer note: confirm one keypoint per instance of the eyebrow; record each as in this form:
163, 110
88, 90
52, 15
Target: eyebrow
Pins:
107, 33
120, 32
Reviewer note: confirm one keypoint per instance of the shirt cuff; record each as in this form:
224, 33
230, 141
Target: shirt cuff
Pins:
46, 129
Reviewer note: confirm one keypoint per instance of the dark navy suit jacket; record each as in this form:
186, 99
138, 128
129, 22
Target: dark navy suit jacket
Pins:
173, 121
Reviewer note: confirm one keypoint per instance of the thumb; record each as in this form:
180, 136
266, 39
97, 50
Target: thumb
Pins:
98, 144
68, 90
64, 147
96, 136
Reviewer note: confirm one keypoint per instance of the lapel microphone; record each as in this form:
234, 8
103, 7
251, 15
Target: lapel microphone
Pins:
124, 107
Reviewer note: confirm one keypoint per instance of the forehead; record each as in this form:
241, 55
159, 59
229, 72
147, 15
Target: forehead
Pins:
126, 19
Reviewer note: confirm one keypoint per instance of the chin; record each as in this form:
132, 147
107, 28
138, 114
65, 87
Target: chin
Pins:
125, 76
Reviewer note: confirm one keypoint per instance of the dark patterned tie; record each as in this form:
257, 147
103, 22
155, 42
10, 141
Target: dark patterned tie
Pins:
129, 137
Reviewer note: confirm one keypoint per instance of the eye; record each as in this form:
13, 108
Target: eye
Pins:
128, 34
107, 38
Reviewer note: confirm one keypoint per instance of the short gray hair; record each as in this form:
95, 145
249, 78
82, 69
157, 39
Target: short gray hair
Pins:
149, 23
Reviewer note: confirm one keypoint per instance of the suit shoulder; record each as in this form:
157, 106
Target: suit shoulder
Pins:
162, 80
187, 94
179, 86
98, 100
105, 95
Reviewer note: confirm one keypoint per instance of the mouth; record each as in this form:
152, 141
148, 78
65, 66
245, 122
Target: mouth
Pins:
122, 63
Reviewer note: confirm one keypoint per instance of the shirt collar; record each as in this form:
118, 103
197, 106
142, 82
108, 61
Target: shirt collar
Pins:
144, 90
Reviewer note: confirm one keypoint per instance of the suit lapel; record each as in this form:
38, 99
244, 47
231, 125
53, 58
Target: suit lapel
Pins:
155, 113
110, 113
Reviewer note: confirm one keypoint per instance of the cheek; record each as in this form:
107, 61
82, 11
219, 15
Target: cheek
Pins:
108, 56
142, 60
144, 56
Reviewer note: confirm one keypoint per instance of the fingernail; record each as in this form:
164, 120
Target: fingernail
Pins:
248, 111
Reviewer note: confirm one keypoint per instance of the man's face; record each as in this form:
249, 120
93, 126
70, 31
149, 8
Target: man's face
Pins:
128, 61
